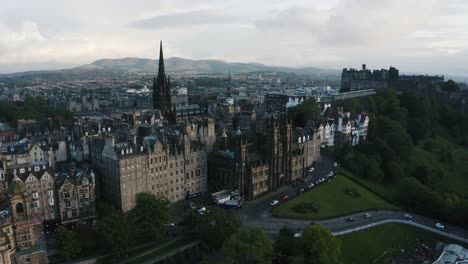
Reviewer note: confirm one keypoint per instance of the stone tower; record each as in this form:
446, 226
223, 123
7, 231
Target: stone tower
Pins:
161, 90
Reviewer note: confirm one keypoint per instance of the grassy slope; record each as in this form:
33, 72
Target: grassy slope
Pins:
368, 245
333, 201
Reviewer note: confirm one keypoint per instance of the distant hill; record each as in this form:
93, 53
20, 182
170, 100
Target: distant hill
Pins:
107, 68
175, 64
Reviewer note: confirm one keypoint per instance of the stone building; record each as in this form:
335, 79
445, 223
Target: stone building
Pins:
76, 196
177, 167
124, 168
263, 160
38, 179
20, 229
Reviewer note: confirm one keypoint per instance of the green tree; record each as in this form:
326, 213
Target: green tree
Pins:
320, 246
69, 244
307, 110
248, 246
393, 171
287, 248
117, 230
450, 86
217, 226
150, 215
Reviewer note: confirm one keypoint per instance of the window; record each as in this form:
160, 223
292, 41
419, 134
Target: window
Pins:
19, 208
22, 170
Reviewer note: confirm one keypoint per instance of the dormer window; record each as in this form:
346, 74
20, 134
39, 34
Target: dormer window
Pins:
22, 170
37, 168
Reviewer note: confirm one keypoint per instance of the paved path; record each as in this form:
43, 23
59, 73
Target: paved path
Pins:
150, 250
171, 253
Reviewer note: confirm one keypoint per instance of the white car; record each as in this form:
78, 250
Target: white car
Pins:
274, 202
367, 215
311, 169
335, 164
439, 225
298, 235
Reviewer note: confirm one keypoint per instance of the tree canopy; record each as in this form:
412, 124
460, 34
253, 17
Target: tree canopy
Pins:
150, 214
307, 110
320, 246
69, 244
248, 246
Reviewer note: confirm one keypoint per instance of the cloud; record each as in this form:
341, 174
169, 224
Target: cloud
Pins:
183, 19
409, 34
296, 18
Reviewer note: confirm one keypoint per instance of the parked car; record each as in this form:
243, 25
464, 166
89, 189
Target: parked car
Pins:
274, 202
297, 234
335, 164
302, 190
350, 219
285, 197
367, 215
311, 169
439, 225
192, 206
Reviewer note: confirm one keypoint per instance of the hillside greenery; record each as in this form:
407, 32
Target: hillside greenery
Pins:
35, 108
417, 148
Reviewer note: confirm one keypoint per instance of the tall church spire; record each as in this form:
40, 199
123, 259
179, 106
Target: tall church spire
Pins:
161, 61
161, 90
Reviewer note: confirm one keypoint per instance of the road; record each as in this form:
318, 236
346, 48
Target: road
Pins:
257, 213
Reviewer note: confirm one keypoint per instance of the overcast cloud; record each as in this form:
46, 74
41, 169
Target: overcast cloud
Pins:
414, 35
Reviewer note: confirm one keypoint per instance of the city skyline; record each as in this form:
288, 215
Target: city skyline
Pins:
416, 36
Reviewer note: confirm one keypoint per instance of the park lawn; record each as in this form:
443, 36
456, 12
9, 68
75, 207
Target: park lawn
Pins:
370, 244
332, 200
386, 190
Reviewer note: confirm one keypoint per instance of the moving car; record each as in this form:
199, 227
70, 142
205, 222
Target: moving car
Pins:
408, 216
311, 169
367, 215
274, 202
350, 219
285, 197
439, 225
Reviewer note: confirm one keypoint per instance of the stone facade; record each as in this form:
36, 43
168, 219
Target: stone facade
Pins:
76, 196
258, 161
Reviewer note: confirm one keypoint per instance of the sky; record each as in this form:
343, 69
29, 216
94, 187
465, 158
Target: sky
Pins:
419, 36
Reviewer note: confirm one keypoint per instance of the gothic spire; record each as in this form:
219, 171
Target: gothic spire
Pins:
161, 61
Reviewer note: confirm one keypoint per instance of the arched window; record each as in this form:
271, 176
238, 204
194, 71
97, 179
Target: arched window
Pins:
19, 208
